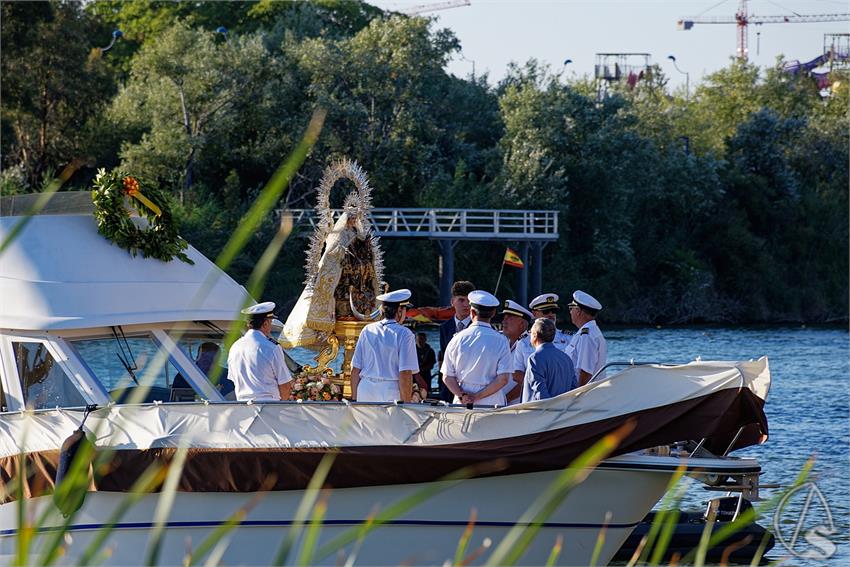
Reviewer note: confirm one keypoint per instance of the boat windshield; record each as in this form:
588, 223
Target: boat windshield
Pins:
206, 350
121, 364
45, 383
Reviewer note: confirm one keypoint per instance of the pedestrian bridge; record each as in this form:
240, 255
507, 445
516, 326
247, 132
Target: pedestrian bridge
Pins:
452, 224
527, 230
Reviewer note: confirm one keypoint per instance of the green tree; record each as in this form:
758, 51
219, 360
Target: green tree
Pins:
186, 90
51, 95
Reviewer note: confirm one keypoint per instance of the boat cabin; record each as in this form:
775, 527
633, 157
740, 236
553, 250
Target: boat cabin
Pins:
82, 321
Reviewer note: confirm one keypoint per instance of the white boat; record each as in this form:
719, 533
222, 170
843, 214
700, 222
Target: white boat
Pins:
82, 319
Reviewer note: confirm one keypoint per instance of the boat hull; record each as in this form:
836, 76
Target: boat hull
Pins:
428, 533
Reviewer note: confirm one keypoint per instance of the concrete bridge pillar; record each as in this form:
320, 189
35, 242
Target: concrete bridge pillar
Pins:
446, 269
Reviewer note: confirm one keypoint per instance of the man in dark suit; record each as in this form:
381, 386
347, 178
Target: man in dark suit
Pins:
459, 321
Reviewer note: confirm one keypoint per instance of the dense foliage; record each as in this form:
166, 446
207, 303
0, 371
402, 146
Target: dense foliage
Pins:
727, 205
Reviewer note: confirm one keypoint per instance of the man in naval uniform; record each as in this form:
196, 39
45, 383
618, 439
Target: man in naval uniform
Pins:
255, 364
460, 321
385, 358
515, 321
477, 363
546, 306
587, 348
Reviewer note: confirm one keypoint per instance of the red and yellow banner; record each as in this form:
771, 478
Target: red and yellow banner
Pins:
512, 259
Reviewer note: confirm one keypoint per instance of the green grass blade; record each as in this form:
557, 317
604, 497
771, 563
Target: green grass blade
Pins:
41, 201
266, 201
463, 543
364, 529
600, 540
217, 553
760, 550
148, 481
163, 507
658, 522
308, 501
638, 552
217, 535
556, 551
668, 517
749, 516
256, 282
406, 504
25, 531
75, 484
705, 538
517, 540
308, 547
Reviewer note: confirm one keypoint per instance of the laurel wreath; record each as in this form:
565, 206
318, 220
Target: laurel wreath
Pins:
158, 240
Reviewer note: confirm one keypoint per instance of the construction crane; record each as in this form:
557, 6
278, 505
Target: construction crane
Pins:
743, 18
422, 8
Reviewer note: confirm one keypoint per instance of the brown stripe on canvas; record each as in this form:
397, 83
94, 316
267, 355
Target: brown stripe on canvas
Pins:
716, 416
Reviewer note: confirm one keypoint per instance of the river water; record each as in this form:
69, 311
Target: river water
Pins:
807, 410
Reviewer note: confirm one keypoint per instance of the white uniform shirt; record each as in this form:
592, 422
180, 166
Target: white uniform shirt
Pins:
383, 351
475, 357
256, 366
520, 351
562, 341
588, 349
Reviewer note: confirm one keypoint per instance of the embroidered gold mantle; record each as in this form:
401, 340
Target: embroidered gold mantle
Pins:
342, 255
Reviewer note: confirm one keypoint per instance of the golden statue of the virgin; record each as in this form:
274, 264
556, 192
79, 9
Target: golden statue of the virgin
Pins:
344, 270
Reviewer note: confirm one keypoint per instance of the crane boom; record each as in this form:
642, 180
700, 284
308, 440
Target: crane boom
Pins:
742, 18
422, 8
688, 23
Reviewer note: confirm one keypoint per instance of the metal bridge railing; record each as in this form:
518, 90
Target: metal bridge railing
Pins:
454, 224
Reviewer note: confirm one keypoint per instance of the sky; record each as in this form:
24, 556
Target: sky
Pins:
494, 33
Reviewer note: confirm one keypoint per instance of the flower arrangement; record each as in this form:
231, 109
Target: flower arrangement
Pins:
113, 191
312, 387
419, 394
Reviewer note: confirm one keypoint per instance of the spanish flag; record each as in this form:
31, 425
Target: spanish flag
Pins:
512, 259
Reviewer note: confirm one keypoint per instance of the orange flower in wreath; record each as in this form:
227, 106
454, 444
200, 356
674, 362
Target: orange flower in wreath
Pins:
131, 186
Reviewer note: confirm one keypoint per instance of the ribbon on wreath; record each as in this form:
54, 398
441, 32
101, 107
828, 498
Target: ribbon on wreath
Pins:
131, 188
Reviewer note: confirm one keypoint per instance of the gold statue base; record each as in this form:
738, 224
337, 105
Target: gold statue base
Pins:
346, 332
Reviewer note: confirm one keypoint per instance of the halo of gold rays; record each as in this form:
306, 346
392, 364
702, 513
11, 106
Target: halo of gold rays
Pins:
358, 202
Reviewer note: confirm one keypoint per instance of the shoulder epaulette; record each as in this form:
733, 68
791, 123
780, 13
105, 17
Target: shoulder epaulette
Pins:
584, 331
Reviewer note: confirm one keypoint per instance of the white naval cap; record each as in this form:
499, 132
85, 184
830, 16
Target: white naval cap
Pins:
513, 308
545, 302
277, 325
265, 308
483, 298
400, 296
583, 299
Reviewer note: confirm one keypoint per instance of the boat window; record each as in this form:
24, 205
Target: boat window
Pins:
123, 364
205, 350
44, 382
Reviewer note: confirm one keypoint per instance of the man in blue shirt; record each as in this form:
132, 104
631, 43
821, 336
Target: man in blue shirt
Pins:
550, 371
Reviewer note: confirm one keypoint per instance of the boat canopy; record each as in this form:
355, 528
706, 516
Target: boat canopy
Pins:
721, 403
59, 273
